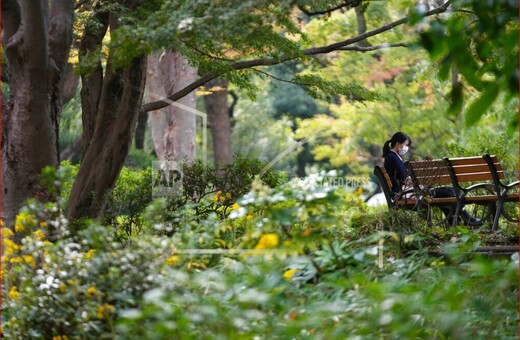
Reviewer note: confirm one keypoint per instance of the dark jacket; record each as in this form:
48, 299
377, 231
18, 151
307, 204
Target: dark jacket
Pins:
396, 170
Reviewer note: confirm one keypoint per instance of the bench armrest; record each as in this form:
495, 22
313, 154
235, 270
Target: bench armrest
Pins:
479, 185
511, 185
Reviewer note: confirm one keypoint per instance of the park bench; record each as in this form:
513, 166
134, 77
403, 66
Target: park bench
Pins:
476, 182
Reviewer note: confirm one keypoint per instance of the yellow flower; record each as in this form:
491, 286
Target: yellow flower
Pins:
28, 259
358, 191
43, 224
235, 206
90, 253
7, 233
92, 291
71, 282
23, 220
289, 273
40, 235
10, 247
13, 293
173, 260
267, 241
104, 311
60, 337
18, 226
228, 195
16, 259
217, 195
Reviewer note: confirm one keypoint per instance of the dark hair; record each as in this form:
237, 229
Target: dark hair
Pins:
398, 137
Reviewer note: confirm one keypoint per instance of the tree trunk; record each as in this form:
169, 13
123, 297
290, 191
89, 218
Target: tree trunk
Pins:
37, 45
70, 84
301, 160
361, 24
218, 116
173, 128
91, 82
116, 109
72, 152
140, 130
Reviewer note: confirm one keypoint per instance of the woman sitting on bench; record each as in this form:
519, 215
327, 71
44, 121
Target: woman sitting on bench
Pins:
393, 150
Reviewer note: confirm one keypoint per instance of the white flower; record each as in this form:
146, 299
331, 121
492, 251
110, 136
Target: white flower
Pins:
185, 24
49, 280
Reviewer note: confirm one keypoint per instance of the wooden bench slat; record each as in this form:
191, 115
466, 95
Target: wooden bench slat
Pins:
476, 177
443, 200
430, 172
471, 168
470, 161
481, 198
511, 197
433, 180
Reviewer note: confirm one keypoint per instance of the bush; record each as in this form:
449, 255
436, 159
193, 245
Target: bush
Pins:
293, 261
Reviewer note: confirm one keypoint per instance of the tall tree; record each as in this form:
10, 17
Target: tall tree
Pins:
36, 38
110, 103
173, 127
216, 105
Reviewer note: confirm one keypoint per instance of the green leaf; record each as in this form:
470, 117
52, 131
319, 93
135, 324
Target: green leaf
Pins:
479, 106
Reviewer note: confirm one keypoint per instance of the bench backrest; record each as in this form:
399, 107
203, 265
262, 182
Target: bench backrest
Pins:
386, 184
472, 169
429, 173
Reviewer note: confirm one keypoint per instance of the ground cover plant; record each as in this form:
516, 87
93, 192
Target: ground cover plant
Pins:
295, 260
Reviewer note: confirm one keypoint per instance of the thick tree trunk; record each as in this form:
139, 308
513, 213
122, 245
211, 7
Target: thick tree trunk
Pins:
218, 116
173, 128
117, 111
37, 46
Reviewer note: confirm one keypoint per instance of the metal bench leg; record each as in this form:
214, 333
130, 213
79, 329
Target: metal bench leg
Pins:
497, 214
455, 217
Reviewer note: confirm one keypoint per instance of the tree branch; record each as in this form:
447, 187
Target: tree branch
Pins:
239, 65
372, 48
348, 3
280, 79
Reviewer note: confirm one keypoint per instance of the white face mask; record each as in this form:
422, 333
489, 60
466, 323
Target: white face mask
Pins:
403, 149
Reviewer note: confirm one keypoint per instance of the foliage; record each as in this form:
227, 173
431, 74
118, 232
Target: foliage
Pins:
139, 159
479, 39
292, 273
126, 202
273, 138
206, 193
203, 192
